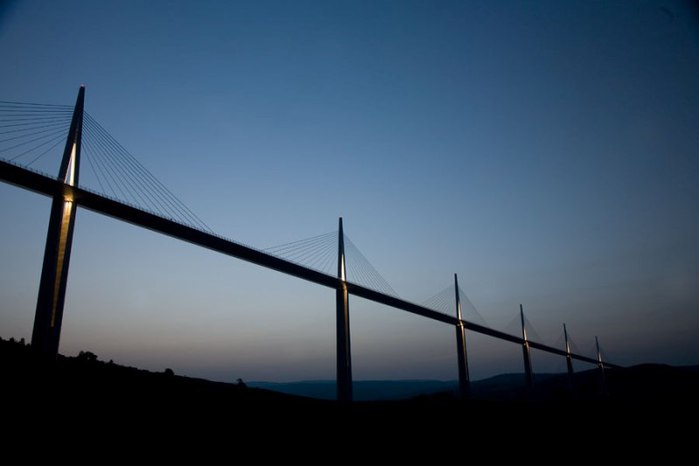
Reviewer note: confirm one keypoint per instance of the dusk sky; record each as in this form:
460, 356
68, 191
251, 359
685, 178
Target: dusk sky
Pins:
546, 151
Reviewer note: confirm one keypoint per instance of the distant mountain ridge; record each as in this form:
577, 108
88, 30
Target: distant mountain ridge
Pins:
363, 390
641, 382
380, 390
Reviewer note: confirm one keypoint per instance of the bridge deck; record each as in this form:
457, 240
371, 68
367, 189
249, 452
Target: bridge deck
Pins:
41, 184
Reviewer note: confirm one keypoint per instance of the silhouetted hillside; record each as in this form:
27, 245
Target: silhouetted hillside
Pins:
85, 379
85, 388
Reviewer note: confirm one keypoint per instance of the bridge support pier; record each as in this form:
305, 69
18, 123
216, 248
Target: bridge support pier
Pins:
46, 333
528, 375
344, 355
600, 367
569, 359
462, 355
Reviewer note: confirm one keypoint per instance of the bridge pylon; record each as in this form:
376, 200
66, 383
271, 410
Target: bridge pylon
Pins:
600, 367
462, 355
569, 358
526, 352
344, 355
46, 333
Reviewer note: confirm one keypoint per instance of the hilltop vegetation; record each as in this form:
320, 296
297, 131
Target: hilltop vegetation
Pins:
98, 390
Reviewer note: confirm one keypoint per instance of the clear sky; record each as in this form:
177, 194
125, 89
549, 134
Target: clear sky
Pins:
545, 151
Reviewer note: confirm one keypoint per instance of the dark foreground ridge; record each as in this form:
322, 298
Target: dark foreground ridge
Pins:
101, 391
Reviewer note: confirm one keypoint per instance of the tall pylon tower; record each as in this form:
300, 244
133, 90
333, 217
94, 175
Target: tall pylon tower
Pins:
526, 353
344, 355
59, 239
462, 355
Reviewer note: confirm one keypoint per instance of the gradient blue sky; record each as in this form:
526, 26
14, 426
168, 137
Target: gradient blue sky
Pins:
546, 151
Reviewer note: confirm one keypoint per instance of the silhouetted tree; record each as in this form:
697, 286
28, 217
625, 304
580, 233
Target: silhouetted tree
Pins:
241, 383
169, 372
88, 356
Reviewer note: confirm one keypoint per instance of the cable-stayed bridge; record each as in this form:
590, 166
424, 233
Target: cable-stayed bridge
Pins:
127, 191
